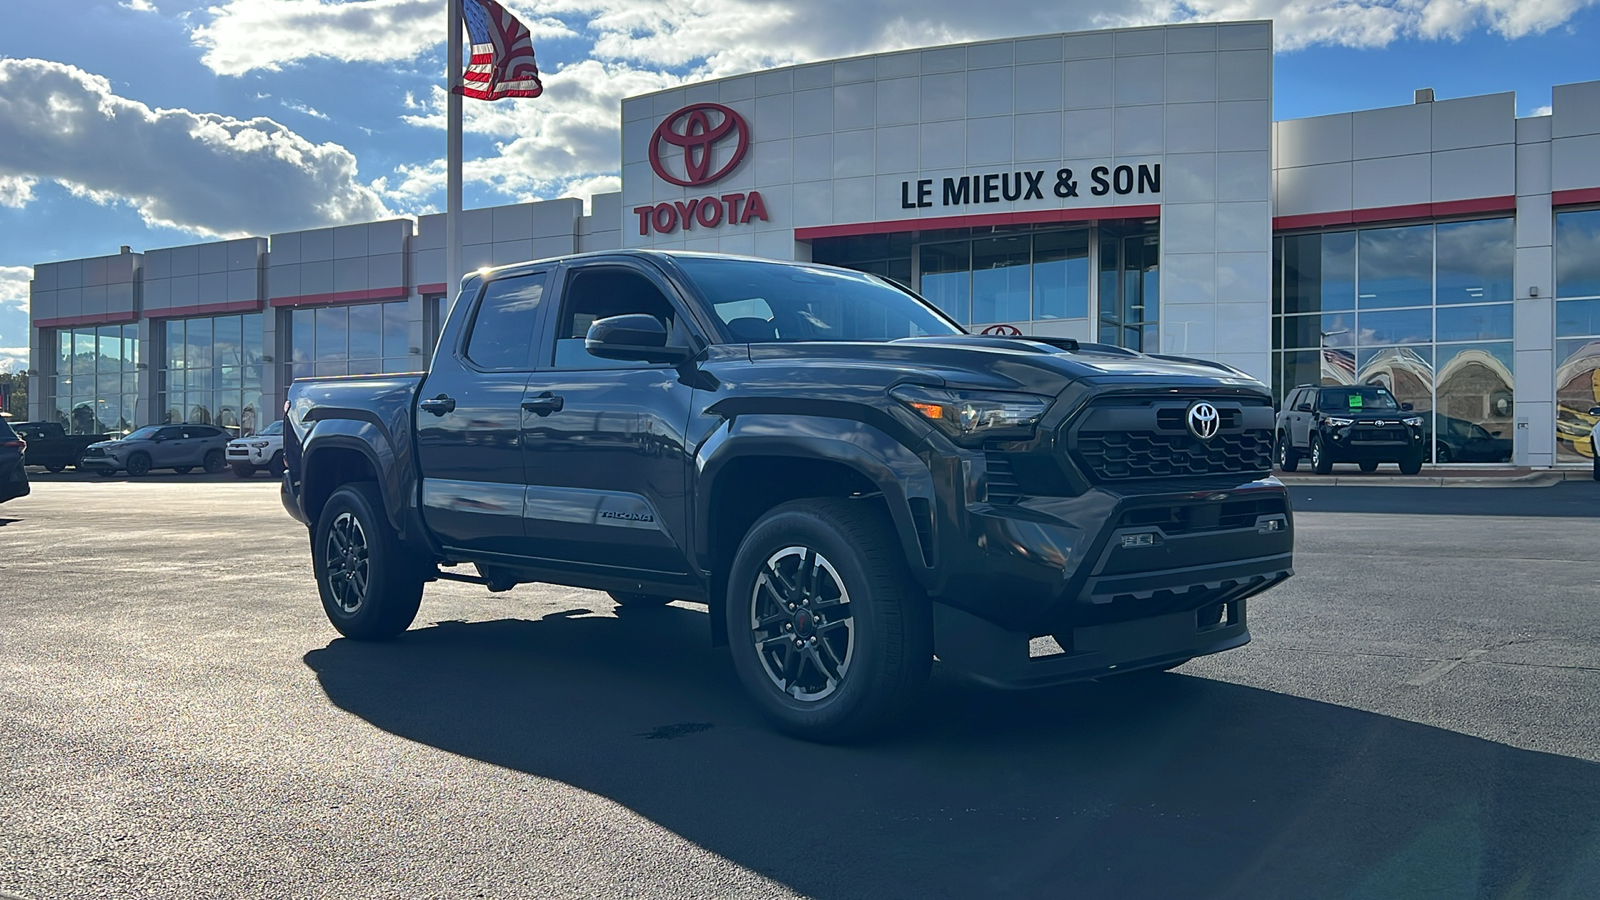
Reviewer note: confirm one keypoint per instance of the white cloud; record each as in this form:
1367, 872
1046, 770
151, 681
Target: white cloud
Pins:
14, 287
562, 144
267, 34
304, 110
13, 359
139, 6
202, 172
1541, 111
16, 191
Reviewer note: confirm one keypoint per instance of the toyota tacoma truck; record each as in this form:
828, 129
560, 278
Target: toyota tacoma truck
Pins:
852, 484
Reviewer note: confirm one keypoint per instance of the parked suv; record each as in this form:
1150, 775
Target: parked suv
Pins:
179, 447
262, 450
1361, 424
13, 480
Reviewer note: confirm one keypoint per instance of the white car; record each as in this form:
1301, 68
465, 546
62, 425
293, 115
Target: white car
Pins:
262, 450
1594, 441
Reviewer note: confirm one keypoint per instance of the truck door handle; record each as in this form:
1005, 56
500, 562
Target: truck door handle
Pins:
544, 404
438, 405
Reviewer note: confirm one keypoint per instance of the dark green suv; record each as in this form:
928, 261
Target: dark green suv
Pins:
1362, 424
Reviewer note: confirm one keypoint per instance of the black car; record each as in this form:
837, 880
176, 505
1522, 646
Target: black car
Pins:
1458, 440
13, 480
848, 480
1362, 424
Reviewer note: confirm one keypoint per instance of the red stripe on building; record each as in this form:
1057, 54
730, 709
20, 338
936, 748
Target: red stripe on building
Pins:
1575, 196
204, 309
390, 293
1396, 213
111, 318
437, 287
1029, 217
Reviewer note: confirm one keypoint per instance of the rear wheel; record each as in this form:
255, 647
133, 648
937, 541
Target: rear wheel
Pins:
139, 465
1321, 461
371, 586
1369, 465
639, 601
829, 634
1288, 457
215, 462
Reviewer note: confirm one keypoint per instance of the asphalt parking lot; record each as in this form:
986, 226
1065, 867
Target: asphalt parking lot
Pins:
1416, 717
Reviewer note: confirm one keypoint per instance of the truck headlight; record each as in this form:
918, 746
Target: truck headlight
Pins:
975, 414
1337, 422
259, 445
1413, 421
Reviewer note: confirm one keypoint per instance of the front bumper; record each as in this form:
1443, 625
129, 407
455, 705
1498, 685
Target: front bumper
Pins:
248, 456
99, 464
291, 504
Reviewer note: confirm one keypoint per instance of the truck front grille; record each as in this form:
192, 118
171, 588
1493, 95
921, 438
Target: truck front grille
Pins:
1378, 435
1121, 456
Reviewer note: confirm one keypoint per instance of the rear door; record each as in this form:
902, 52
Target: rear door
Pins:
469, 418
604, 442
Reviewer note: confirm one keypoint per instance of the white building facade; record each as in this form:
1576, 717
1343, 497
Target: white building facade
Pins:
1124, 186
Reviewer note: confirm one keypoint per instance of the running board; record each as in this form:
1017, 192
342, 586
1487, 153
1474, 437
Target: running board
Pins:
495, 587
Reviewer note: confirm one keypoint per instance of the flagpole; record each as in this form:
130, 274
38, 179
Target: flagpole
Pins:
452, 219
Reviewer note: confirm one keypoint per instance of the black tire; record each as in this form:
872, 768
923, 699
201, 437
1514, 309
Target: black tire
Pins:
1597, 464
241, 470
865, 605
275, 466
639, 601
1441, 453
215, 462
384, 602
1321, 459
139, 465
1369, 465
55, 470
183, 470
106, 473
1288, 457
1412, 464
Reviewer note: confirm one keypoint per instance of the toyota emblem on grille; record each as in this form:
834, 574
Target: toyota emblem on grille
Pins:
1204, 420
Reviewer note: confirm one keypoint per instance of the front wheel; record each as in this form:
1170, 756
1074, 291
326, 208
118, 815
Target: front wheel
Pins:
139, 465
55, 470
1412, 464
183, 470
1288, 458
275, 467
829, 634
1597, 466
1321, 460
243, 471
1441, 453
371, 586
215, 462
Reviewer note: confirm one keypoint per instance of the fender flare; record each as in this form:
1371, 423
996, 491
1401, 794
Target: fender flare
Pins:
899, 474
346, 434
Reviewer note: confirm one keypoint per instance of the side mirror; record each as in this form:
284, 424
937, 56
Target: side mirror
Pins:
1304, 407
1494, 434
156, 438
1406, 407
1594, 410
635, 337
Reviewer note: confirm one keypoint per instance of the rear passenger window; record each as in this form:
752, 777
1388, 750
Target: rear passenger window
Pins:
502, 331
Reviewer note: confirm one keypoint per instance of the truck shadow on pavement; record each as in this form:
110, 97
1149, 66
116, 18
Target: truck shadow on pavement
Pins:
1181, 787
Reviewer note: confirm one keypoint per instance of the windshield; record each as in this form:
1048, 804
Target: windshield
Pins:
1357, 399
275, 428
767, 302
143, 434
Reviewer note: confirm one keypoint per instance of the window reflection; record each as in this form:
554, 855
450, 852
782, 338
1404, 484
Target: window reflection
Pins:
1474, 421
362, 339
1000, 279
1395, 267
946, 281
1577, 391
95, 378
1476, 260
210, 371
1578, 253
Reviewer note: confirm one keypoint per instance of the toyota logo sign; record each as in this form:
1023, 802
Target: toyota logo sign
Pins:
699, 129
1204, 420
1005, 330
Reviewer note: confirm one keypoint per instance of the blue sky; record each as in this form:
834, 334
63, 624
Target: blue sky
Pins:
162, 122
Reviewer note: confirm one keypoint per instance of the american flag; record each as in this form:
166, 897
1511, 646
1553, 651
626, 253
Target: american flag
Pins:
502, 54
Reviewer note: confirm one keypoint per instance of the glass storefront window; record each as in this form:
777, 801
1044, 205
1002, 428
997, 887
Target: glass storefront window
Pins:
365, 339
212, 372
1061, 275
1000, 279
1395, 267
96, 379
1475, 260
946, 278
1577, 258
1422, 309
1577, 253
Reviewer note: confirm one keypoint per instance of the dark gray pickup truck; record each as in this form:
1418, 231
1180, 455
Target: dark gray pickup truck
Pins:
851, 483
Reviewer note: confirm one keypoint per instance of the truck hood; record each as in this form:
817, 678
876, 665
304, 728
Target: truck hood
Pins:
983, 362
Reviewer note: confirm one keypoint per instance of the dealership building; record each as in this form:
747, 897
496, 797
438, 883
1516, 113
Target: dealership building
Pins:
1126, 186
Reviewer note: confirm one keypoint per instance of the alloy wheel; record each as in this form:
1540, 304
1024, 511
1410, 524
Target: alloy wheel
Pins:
349, 565
801, 623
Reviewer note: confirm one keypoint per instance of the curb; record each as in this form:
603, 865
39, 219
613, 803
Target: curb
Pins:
1540, 479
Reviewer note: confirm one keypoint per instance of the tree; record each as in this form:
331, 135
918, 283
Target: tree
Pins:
14, 394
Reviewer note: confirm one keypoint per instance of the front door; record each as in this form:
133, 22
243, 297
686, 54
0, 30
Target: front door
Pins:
604, 440
171, 447
469, 419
